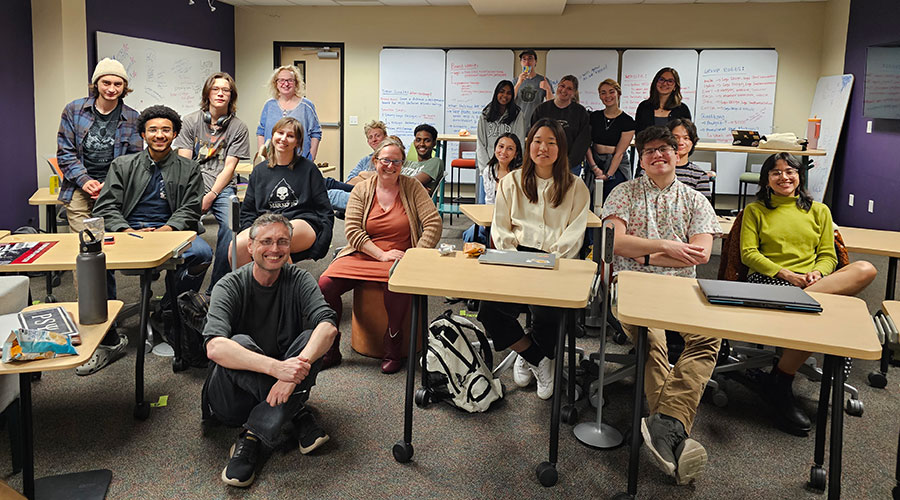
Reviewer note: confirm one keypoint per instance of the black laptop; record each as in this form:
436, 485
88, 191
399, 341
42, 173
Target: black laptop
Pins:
736, 293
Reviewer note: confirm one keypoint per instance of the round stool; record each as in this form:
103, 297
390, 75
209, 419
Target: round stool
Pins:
369, 322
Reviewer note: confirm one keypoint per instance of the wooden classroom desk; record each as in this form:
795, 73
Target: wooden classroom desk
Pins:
724, 147
43, 197
725, 222
4, 233
843, 329
91, 335
127, 253
422, 272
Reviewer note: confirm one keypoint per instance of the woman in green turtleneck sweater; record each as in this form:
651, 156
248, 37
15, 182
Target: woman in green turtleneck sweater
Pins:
788, 239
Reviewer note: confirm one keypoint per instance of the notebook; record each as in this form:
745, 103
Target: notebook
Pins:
521, 259
736, 293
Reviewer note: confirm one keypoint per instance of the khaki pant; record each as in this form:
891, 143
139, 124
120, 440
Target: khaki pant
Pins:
79, 209
676, 391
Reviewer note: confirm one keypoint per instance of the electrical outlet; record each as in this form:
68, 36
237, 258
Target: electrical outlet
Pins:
869, 127
850, 201
871, 206
354, 120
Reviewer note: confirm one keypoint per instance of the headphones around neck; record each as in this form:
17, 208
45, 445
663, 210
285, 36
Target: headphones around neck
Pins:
220, 122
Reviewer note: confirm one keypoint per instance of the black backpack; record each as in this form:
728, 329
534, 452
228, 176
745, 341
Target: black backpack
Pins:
193, 308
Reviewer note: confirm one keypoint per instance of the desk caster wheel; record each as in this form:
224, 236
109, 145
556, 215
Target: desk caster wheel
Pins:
854, 407
569, 414
623, 496
720, 399
896, 492
142, 410
402, 451
423, 397
817, 478
179, 365
877, 379
56, 280
50, 299
546, 474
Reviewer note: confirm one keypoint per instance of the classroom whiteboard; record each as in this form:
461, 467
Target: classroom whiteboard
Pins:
471, 78
882, 96
640, 65
159, 72
735, 90
590, 67
412, 90
830, 104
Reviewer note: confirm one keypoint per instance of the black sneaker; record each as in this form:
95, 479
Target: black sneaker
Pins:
661, 436
309, 434
241, 468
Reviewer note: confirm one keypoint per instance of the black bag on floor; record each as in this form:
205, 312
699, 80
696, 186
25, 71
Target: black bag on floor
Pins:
193, 308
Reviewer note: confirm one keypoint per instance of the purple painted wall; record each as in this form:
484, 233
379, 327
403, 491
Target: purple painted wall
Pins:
171, 21
17, 140
869, 166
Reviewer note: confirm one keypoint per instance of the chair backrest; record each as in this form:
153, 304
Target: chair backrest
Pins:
467, 147
54, 167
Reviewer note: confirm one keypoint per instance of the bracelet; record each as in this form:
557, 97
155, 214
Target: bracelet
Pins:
647, 260
213, 191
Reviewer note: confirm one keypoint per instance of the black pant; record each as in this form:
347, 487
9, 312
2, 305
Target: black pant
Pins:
238, 397
500, 320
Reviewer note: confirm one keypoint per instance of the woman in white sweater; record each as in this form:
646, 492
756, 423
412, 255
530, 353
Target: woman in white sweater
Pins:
541, 207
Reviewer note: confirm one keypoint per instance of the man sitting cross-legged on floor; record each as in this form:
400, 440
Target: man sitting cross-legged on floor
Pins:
665, 227
268, 325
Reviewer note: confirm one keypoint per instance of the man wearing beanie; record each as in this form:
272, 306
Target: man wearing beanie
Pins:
92, 132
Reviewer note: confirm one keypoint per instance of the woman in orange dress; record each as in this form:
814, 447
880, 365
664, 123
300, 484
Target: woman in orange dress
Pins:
387, 214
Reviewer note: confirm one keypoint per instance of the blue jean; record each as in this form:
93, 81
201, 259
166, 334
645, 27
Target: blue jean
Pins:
338, 198
238, 397
219, 209
479, 188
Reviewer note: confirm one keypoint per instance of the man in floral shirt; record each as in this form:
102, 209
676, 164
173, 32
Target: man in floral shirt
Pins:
665, 227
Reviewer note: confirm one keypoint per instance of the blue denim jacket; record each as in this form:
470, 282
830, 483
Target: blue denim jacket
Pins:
77, 119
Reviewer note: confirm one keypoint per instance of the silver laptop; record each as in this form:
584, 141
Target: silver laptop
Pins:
516, 258
736, 293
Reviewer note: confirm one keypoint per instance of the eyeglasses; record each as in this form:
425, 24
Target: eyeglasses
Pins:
663, 150
216, 90
387, 161
789, 172
281, 242
159, 130
284, 80
670, 81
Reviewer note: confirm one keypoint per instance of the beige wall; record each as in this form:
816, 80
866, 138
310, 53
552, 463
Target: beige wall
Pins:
834, 37
60, 70
795, 30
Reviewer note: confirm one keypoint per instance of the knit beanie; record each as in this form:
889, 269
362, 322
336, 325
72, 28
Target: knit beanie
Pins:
109, 66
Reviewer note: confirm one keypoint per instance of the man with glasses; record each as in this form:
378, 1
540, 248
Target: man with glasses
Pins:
154, 190
665, 227
216, 139
268, 327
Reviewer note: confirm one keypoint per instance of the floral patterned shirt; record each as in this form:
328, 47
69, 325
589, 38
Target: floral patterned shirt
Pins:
676, 212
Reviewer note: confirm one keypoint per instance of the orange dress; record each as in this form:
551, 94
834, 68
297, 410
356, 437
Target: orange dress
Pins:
389, 230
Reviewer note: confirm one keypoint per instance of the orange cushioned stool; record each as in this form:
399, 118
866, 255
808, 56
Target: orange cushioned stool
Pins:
370, 322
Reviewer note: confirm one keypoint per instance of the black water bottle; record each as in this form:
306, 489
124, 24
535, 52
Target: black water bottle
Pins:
90, 269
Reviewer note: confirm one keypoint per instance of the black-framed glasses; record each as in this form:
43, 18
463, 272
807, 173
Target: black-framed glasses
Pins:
670, 81
663, 150
788, 172
388, 161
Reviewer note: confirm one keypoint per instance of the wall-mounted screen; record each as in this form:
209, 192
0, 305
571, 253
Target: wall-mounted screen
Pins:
882, 98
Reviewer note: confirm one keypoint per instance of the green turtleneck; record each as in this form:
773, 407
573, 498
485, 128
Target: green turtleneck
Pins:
787, 237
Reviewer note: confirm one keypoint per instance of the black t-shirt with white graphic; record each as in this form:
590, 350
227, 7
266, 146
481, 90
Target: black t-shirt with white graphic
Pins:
100, 142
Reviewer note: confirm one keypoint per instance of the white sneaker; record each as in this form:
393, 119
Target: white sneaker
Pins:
543, 372
104, 355
522, 374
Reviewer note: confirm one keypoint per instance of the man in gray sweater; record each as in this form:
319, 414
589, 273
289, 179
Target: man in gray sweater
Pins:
267, 328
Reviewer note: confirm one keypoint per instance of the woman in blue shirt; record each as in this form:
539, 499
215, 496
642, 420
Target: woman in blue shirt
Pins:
287, 100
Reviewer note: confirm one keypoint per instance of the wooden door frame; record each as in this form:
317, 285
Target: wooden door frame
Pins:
276, 62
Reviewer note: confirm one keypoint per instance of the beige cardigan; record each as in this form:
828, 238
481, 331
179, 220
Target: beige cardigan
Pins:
425, 223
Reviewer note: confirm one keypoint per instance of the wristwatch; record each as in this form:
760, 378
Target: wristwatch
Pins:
647, 260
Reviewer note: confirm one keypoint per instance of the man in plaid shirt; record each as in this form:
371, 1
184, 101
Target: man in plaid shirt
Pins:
92, 131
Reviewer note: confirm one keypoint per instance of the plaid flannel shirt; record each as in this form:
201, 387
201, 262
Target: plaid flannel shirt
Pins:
77, 119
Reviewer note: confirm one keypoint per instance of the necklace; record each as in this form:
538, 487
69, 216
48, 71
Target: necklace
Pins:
608, 121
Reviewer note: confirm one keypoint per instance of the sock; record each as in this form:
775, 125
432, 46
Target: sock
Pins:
533, 354
111, 338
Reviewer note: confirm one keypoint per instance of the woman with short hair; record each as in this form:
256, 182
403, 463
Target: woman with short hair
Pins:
287, 88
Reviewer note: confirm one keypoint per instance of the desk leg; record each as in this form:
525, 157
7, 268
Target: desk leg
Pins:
634, 455
837, 428
141, 407
889, 295
403, 449
27, 435
546, 471
51, 228
817, 477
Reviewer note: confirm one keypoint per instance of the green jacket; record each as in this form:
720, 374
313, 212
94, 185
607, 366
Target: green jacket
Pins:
128, 178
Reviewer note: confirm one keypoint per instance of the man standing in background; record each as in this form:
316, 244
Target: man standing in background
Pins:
531, 88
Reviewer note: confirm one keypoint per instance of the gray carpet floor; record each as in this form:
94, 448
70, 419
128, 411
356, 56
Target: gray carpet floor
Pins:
84, 423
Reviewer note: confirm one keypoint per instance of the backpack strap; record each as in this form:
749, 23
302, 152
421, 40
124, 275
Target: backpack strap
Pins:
486, 352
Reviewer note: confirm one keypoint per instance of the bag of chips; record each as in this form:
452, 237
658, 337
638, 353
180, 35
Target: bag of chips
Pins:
26, 345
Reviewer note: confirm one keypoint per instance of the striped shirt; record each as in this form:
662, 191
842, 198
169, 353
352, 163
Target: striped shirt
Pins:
695, 177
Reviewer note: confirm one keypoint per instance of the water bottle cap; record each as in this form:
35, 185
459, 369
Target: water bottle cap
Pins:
92, 244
